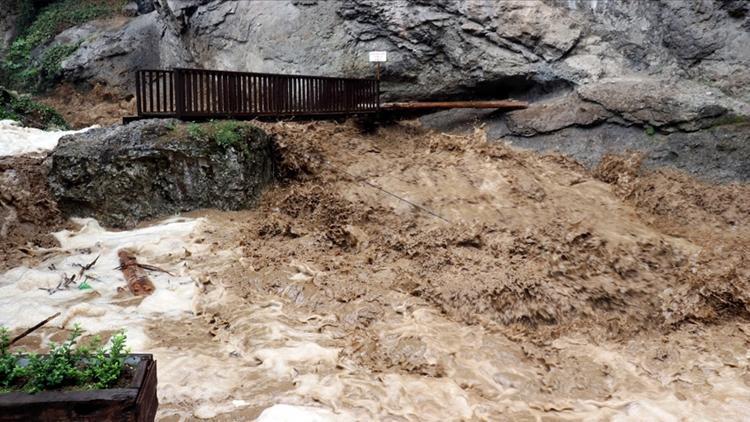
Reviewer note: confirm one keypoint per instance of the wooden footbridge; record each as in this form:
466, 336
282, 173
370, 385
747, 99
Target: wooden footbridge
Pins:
193, 94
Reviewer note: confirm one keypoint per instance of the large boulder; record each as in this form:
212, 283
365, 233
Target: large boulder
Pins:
646, 102
123, 174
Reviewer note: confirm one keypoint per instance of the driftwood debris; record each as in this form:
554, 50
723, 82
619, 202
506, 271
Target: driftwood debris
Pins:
32, 329
138, 282
66, 281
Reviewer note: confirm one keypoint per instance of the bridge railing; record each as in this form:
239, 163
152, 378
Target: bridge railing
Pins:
211, 93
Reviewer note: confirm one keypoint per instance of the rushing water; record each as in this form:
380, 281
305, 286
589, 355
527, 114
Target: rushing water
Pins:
17, 140
229, 349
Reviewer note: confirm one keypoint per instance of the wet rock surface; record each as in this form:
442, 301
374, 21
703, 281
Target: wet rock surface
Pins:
28, 213
719, 154
686, 125
438, 48
123, 174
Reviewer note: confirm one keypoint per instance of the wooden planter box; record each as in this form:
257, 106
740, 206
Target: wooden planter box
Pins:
135, 403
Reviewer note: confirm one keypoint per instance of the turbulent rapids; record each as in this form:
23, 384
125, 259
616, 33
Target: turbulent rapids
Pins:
541, 290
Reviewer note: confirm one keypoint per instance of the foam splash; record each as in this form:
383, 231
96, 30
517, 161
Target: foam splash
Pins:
289, 413
16, 139
24, 300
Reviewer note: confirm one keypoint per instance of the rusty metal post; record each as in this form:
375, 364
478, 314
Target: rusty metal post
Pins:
377, 89
138, 94
179, 93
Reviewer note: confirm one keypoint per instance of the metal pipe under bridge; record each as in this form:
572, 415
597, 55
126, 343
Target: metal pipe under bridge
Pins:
193, 94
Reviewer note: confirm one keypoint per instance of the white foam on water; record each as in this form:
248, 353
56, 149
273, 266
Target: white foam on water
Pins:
24, 302
271, 357
280, 360
290, 413
16, 139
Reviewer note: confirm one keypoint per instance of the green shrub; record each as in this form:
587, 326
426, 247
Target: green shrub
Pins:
53, 57
224, 133
9, 371
67, 365
228, 133
22, 71
195, 131
28, 112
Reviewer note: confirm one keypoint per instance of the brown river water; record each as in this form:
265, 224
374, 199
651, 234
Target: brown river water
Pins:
525, 288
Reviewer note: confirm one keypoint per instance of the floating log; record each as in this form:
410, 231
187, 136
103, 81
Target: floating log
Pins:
498, 104
138, 282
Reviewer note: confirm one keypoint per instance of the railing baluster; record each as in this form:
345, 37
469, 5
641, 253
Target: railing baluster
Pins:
308, 94
158, 93
212, 89
205, 93
227, 94
199, 93
243, 86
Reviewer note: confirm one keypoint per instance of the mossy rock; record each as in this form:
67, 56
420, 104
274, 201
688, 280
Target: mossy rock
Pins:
28, 112
153, 168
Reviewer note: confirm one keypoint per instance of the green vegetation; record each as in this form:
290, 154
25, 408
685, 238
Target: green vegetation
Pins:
67, 365
650, 130
228, 133
730, 119
195, 131
53, 56
28, 112
225, 133
21, 69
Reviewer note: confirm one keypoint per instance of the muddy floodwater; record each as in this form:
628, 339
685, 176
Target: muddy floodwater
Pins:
523, 287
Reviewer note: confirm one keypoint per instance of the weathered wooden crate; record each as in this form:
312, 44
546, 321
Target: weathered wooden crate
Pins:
137, 402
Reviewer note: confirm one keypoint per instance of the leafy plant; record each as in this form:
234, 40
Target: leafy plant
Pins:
69, 364
105, 368
53, 57
20, 69
650, 130
224, 133
227, 133
195, 131
9, 371
23, 109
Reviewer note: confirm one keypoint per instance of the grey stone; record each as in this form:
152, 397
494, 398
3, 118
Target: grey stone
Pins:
130, 9
591, 69
8, 28
123, 174
446, 48
661, 103
110, 56
145, 6
717, 154
555, 114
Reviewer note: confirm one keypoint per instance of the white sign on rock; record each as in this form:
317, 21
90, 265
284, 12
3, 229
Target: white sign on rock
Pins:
378, 56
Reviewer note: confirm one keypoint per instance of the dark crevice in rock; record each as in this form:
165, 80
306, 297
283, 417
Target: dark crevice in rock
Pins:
519, 87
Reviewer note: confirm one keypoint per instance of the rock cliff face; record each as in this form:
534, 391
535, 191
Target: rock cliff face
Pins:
124, 174
670, 66
8, 28
438, 48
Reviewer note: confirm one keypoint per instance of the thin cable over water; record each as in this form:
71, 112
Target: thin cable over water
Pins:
374, 186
